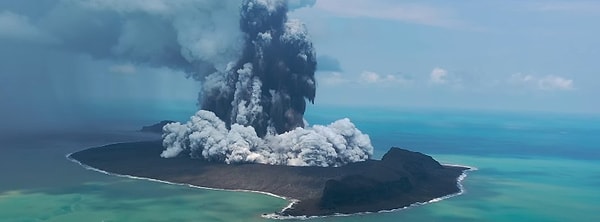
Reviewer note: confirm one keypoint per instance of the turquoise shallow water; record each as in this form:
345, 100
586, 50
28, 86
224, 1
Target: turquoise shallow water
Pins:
531, 167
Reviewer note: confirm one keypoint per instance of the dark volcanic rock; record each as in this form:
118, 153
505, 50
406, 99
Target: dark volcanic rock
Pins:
361, 190
415, 163
156, 128
400, 179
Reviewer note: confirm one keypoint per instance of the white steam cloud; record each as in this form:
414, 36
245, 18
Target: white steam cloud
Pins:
205, 136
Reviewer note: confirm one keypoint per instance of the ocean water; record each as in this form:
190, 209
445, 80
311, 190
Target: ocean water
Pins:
531, 167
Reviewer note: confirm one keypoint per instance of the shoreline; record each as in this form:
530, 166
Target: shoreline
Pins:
292, 201
87, 167
459, 180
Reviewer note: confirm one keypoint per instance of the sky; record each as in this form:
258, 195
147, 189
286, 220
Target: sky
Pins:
497, 55
62, 58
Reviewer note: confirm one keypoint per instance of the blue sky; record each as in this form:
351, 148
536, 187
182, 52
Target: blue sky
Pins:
61, 55
505, 55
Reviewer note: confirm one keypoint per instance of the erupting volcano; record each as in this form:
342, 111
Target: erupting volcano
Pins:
253, 111
251, 135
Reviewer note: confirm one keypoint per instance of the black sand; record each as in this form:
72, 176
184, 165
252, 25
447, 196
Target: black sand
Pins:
400, 179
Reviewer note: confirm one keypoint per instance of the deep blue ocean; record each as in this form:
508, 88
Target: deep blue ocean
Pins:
531, 166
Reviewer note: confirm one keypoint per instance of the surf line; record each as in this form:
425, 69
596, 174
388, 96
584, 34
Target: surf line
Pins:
459, 181
292, 201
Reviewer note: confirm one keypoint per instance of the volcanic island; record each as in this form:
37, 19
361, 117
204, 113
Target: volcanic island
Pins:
402, 178
250, 134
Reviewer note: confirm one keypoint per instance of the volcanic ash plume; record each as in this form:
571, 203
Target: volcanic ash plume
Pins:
254, 110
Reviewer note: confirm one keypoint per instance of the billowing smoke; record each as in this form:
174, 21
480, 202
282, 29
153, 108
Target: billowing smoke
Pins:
92, 52
198, 37
254, 110
269, 84
206, 136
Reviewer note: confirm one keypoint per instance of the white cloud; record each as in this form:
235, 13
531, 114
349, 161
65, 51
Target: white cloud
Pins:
15, 26
391, 10
369, 77
333, 78
123, 69
548, 82
555, 82
366, 77
373, 77
438, 76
